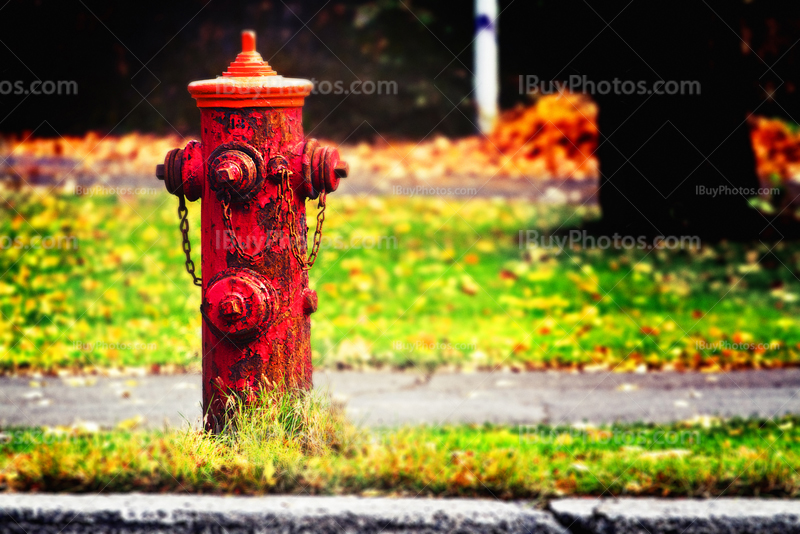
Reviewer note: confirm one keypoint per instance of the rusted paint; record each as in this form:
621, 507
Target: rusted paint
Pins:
282, 352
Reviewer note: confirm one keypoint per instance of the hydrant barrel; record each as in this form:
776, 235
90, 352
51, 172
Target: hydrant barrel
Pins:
253, 171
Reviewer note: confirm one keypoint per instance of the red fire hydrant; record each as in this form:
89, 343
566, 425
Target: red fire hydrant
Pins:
253, 171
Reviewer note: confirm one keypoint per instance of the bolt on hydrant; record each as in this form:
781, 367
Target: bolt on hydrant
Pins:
253, 171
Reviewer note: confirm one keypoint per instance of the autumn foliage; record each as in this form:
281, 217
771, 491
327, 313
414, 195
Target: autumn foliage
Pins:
91, 156
776, 147
556, 137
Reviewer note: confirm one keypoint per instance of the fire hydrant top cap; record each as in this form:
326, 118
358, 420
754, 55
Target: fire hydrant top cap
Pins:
249, 81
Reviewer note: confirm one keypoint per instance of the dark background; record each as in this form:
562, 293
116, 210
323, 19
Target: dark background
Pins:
103, 46
425, 46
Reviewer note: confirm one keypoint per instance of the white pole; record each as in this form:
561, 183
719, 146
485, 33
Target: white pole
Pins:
486, 64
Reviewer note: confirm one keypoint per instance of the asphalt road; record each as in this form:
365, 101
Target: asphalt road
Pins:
391, 399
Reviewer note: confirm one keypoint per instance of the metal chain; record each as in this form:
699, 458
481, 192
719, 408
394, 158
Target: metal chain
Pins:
285, 193
183, 213
226, 216
305, 263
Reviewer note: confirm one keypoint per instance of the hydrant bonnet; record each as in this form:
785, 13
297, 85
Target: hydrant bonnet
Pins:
250, 82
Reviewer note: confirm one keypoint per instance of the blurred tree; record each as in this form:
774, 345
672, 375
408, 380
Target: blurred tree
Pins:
657, 151
660, 153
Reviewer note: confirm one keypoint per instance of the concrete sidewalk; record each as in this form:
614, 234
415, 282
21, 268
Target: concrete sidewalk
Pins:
140, 513
389, 399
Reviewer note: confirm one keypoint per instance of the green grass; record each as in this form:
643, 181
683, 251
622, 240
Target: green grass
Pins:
448, 287
300, 445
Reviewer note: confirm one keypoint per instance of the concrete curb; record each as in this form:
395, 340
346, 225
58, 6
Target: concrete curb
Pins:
675, 516
135, 513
